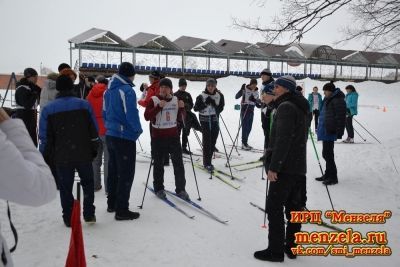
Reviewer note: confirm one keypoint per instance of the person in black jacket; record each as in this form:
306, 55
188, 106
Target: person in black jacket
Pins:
267, 85
68, 136
82, 89
27, 97
209, 104
332, 121
286, 157
191, 119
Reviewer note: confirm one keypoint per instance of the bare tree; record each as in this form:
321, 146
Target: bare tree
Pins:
375, 22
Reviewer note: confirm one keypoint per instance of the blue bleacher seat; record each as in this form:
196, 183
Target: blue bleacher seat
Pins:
198, 71
158, 68
188, 70
84, 65
102, 66
218, 72
169, 69
203, 71
108, 66
153, 68
179, 70
163, 69
213, 72
173, 69
114, 66
96, 65
148, 68
142, 68
90, 65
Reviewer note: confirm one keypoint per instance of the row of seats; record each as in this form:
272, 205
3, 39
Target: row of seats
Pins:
168, 70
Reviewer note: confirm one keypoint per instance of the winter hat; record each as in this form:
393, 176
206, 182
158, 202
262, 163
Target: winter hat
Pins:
211, 81
329, 87
299, 88
166, 82
182, 82
63, 66
102, 79
155, 74
127, 69
287, 81
266, 71
269, 89
253, 81
30, 72
64, 83
68, 72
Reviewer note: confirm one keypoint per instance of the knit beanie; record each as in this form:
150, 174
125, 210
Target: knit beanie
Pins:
64, 83
287, 81
127, 69
166, 82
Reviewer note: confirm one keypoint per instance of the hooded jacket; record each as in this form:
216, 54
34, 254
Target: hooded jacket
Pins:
288, 141
95, 99
332, 119
352, 103
27, 95
216, 108
49, 91
120, 113
311, 101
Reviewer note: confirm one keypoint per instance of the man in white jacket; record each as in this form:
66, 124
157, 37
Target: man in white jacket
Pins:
24, 177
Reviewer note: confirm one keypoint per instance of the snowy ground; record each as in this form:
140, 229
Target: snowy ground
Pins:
368, 182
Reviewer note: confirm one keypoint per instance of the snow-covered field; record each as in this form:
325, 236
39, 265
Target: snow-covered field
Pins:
368, 182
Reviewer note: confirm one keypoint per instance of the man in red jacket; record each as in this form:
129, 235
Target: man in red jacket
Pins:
95, 99
165, 112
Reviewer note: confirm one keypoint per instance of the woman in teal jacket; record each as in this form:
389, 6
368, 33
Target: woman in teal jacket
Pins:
351, 105
315, 101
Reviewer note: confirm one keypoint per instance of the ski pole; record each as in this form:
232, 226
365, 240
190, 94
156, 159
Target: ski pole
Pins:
210, 148
226, 153
147, 182
365, 140
367, 131
240, 126
140, 144
198, 139
233, 144
191, 159
320, 167
266, 203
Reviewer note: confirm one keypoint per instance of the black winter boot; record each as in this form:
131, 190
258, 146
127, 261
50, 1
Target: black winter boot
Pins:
267, 255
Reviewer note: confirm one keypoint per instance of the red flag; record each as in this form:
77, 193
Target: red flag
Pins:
76, 254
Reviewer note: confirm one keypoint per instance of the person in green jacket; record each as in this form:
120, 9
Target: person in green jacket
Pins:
351, 106
315, 101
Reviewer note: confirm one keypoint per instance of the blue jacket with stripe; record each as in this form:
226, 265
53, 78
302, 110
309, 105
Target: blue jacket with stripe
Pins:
120, 113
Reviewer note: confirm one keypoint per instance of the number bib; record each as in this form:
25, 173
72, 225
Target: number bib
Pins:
167, 117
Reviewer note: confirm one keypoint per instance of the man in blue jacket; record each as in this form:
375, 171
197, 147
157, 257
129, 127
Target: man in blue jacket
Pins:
123, 128
330, 128
315, 101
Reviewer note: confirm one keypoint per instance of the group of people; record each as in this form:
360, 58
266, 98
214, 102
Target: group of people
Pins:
80, 123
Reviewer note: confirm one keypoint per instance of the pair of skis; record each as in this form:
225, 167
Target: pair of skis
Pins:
222, 176
247, 165
189, 202
248, 150
323, 224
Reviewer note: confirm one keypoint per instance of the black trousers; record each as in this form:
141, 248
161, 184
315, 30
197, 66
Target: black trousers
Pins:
66, 174
121, 172
210, 130
29, 117
165, 146
349, 126
316, 116
329, 157
286, 193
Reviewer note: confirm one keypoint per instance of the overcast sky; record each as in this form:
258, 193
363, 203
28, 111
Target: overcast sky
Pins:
38, 31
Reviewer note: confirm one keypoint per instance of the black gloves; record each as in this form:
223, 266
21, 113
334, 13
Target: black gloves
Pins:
252, 98
210, 101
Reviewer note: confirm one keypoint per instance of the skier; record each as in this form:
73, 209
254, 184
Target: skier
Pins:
315, 102
121, 118
68, 134
330, 128
84, 86
95, 99
351, 105
286, 168
27, 97
25, 178
191, 119
209, 104
250, 99
165, 112
147, 93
